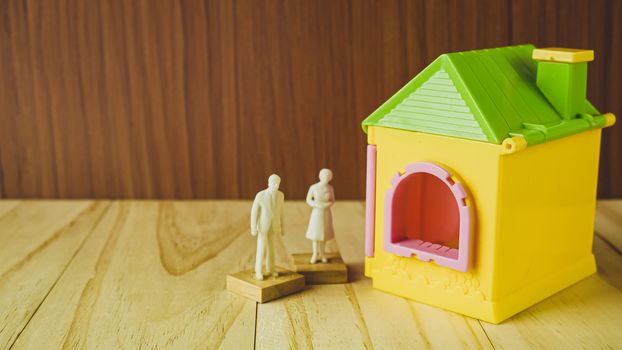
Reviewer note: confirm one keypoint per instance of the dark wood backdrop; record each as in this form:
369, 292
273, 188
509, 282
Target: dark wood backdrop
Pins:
204, 99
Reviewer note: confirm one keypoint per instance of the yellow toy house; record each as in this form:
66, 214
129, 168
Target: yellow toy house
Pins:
481, 181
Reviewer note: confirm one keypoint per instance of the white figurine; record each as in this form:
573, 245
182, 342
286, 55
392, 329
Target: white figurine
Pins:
321, 197
267, 221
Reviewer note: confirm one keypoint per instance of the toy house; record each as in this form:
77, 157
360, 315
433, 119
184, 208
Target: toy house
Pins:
481, 181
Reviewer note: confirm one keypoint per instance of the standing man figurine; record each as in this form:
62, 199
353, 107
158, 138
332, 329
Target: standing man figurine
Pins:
267, 221
320, 197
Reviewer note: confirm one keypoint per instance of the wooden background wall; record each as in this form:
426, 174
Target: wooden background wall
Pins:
204, 99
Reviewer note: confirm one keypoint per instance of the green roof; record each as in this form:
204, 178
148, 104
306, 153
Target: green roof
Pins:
485, 95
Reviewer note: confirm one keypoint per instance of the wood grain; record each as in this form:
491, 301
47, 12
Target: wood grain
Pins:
608, 262
7, 205
142, 274
206, 98
117, 291
591, 302
333, 271
609, 222
38, 241
244, 283
353, 315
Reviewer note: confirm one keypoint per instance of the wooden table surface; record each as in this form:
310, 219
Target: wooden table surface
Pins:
151, 274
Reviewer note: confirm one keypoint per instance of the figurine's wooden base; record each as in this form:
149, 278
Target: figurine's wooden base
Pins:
334, 271
270, 288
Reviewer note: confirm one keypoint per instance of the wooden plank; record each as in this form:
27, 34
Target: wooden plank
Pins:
331, 272
353, 315
152, 275
397, 323
410, 324
325, 316
608, 241
113, 98
244, 283
7, 205
609, 262
38, 240
586, 315
322, 317
609, 176
32, 226
609, 222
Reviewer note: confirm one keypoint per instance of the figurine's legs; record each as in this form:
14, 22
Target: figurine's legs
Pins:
270, 258
314, 255
259, 256
322, 256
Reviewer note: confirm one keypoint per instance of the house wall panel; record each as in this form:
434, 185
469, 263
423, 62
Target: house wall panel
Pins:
476, 164
547, 202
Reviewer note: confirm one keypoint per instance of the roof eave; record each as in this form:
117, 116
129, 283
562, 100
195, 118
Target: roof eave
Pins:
536, 134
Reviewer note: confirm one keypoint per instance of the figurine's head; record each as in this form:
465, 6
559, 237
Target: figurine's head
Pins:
273, 182
326, 175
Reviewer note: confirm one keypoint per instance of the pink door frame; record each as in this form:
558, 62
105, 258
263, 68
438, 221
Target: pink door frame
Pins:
457, 259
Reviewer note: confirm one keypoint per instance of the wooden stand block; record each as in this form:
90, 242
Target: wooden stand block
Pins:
245, 284
335, 271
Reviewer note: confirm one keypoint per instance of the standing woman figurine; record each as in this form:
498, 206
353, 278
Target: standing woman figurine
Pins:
321, 197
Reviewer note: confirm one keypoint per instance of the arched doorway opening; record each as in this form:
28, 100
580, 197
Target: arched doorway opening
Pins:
427, 215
